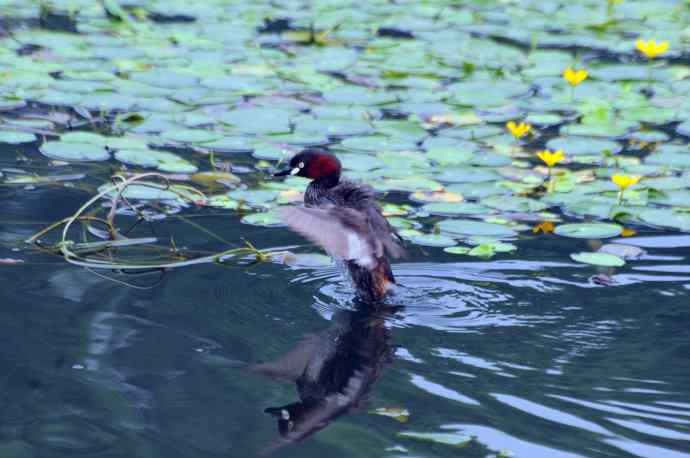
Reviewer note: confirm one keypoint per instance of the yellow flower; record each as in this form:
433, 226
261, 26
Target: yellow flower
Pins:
651, 48
574, 77
551, 157
627, 232
518, 130
544, 226
623, 181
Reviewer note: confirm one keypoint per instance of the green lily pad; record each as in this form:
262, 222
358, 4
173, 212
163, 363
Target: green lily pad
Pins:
396, 413
455, 208
666, 217
375, 143
598, 259
162, 160
234, 144
360, 162
433, 240
257, 120
66, 151
268, 219
303, 259
191, 135
588, 230
467, 175
514, 204
457, 249
452, 439
148, 191
253, 197
576, 146
15, 138
466, 228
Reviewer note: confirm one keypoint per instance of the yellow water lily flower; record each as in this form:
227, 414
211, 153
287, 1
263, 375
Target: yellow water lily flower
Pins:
651, 48
627, 232
518, 130
551, 158
575, 77
623, 181
544, 226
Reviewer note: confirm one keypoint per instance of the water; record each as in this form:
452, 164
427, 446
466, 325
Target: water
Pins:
526, 356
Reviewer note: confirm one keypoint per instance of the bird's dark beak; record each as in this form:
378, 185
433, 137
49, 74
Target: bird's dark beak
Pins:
282, 173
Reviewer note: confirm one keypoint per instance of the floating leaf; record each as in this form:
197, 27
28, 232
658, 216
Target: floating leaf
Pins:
15, 138
457, 250
452, 439
588, 230
162, 160
464, 227
598, 259
74, 151
433, 240
455, 208
396, 413
270, 219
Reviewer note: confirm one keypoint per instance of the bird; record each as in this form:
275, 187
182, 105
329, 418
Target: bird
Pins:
343, 217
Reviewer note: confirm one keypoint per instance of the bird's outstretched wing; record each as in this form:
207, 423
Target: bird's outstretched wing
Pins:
343, 232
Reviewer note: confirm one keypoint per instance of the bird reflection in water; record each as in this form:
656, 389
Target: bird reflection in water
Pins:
333, 371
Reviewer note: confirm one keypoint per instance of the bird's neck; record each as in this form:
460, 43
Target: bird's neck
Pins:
321, 186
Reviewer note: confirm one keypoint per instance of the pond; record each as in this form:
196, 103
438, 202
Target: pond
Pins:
154, 305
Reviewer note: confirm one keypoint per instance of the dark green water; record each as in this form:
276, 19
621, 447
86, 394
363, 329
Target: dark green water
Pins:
525, 356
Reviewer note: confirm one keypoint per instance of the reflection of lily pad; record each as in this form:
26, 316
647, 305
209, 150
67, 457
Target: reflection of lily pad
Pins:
588, 230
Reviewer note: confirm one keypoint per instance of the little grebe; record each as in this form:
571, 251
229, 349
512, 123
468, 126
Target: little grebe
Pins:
343, 218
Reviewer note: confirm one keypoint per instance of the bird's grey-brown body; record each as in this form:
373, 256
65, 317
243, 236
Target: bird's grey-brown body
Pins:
343, 217
353, 205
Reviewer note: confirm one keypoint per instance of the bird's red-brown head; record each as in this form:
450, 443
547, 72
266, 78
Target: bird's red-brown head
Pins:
313, 163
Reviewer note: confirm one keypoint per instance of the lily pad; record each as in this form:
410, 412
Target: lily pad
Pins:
191, 135
576, 146
588, 230
433, 240
15, 138
162, 160
66, 151
455, 208
598, 259
452, 439
268, 219
465, 228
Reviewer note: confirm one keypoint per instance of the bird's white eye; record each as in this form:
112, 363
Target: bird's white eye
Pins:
301, 165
